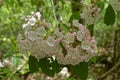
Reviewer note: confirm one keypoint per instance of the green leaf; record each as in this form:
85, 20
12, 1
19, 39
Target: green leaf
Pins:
46, 67
81, 70
75, 15
91, 29
57, 67
109, 18
64, 27
15, 60
33, 64
94, 59
101, 5
49, 66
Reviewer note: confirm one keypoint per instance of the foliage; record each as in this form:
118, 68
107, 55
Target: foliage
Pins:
64, 19
109, 12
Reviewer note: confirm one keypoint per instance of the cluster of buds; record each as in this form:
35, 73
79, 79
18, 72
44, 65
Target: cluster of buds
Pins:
71, 47
91, 14
115, 4
32, 19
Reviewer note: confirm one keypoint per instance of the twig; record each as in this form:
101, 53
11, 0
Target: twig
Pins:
54, 14
113, 68
19, 68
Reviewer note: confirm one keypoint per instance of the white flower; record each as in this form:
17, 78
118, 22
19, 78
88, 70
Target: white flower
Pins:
79, 50
24, 45
32, 21
19, 37
72, 53
64, 72
115, 4
58, 33
41, 31
25, 25
61, 59
76, 23
69, 38
85, 45
38, 15
41, 44
83, 15
89, 20
38, 41
79, 36
57, 49
118, 6
32, 35
91, 14
51, 41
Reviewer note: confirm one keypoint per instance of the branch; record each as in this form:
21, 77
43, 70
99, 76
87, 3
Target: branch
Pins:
54, 14
112, 69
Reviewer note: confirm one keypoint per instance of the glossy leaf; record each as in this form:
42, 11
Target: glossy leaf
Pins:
57, 67
33, 64
81, 70
49, 66
109, 18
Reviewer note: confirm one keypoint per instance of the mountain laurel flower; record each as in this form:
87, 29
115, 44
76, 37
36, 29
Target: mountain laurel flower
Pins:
51, 41
115, 4
41, 31
32, 35
85, 45
32, 21
24, 45
68, 48
24, 26
58, 34
79, 36
69, 38
38, 15
91, 14
75, 23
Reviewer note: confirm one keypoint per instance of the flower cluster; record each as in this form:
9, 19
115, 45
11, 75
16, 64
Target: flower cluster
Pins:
71, 47
91, 14
31, 20
115, 4
82, 49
